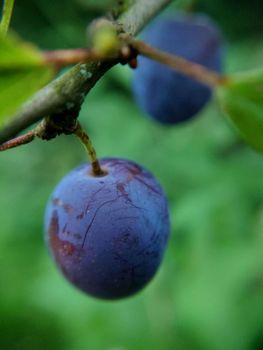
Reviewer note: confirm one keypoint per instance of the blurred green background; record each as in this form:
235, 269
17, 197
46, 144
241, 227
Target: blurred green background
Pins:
208, 294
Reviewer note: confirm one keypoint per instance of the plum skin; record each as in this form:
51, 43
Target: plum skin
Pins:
108, 234
168, 96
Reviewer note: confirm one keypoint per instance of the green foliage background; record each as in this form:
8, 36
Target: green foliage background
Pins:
208, 292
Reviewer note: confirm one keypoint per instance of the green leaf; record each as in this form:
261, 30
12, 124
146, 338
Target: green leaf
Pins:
22, 72
242, 101
15, 53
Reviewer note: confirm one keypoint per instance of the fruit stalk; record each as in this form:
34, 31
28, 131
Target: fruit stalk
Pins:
85, 140
191, 69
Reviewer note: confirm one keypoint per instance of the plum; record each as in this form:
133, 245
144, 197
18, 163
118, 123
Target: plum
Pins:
108, 233
166, 95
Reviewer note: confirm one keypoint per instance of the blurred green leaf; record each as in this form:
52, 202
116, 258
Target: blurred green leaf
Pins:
22, 72
242, 101
16, 53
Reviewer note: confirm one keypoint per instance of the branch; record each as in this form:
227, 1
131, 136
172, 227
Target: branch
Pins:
140, 14
62, 58
191, 69
67, 92
18, 141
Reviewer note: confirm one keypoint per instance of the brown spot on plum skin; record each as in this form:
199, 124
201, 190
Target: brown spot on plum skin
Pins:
55, 201
135, 172
77, 236
80, 216
134, 169
121, 187
59, 247
54, 225
67, 248
59, 203
67, 208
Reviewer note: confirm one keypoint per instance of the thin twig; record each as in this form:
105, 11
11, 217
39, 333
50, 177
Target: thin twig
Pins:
61, 58
18, 141
191, 69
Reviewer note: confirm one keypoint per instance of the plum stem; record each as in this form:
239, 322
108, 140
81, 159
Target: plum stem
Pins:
189, 68
85, 140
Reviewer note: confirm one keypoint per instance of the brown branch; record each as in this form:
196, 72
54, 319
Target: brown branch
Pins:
61, 58
191, 69
18, 141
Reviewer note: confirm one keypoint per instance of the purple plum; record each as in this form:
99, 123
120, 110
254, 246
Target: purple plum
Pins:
166, 95
108, 233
